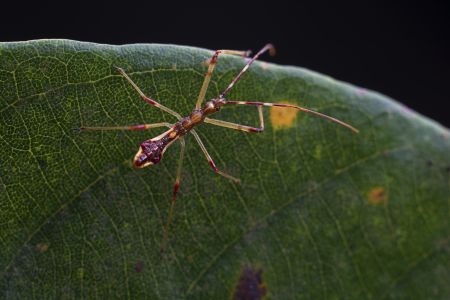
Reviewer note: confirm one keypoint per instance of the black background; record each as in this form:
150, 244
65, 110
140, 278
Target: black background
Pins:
399, 49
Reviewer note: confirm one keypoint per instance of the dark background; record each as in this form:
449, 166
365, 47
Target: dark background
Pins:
398, 49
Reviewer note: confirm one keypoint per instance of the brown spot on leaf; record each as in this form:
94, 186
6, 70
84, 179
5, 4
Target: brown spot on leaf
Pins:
282, 117
377, 195
138, 266
42, 247
250, 285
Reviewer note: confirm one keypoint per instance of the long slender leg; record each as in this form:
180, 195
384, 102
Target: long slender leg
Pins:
293, 106
132, 127
236, 79
238, 126
211, 162
147, 99
212, 65
176, 187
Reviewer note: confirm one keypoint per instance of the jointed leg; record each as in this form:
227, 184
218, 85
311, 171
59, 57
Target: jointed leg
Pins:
236, 79
176, 187
211, 162
212, 65
260, 104
132, 127
151, 101
238, 126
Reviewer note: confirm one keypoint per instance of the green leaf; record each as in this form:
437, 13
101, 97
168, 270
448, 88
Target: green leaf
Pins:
321, 212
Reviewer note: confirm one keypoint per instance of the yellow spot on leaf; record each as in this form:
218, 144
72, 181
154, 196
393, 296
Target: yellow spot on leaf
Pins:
80, 273
282, 117
318, 152
42, 247
377, 195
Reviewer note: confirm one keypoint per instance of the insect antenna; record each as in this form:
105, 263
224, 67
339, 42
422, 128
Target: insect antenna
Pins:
269, 47
296, 107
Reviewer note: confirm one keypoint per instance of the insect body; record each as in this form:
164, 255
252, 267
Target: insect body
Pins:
151, 151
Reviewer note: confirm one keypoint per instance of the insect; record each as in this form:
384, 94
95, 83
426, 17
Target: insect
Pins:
152, 150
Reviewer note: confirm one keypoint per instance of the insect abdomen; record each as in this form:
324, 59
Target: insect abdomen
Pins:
152, 151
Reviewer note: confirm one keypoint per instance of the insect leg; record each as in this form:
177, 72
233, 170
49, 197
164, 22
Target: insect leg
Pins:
296, 107
236, 79
212, 65
238, 126
176, 187
132, 127
211, 162
147, 99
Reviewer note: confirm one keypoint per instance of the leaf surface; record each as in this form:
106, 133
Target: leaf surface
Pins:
320, 213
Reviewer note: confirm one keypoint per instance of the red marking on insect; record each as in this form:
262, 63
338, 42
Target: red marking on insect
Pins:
215, 57
151, 101
138, 127
256, 130
213, 165
176, 187
151, 151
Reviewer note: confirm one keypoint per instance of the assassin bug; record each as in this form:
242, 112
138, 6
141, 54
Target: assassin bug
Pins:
151, 151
